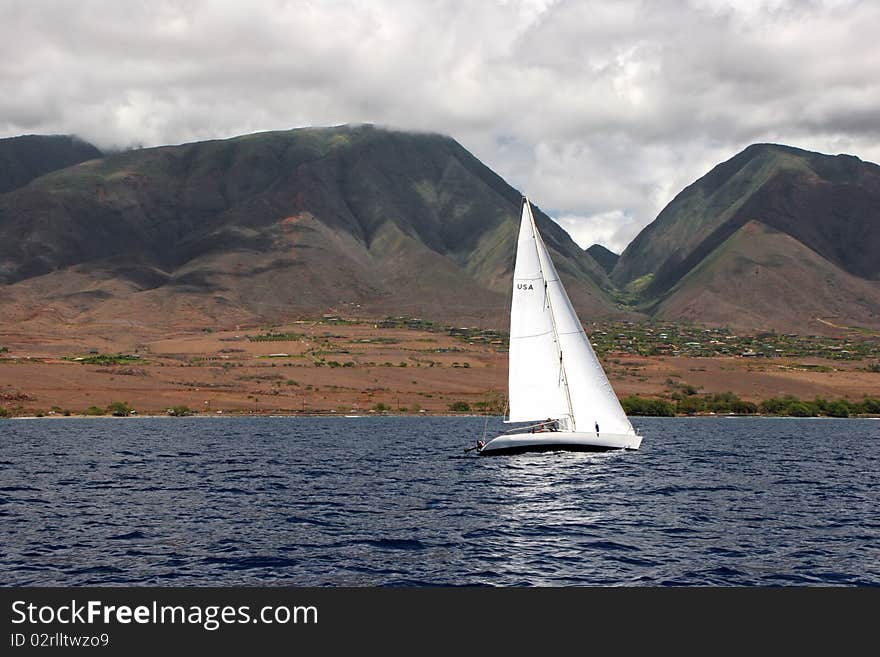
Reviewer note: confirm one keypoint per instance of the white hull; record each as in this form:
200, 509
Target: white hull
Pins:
584, 441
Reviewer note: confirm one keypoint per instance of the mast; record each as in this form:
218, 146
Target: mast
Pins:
549, 302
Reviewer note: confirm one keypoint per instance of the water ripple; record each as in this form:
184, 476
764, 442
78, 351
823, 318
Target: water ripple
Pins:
396, 502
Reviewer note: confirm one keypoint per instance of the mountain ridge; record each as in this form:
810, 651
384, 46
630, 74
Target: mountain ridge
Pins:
762, 178
286, 222
604, 256
279, 224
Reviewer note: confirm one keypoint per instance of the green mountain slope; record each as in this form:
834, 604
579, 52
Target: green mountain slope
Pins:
829, 203
30, 156
605, 257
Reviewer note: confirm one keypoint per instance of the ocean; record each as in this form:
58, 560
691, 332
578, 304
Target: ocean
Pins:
395, 501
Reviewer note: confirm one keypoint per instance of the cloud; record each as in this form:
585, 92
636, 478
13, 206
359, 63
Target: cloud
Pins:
607, 228
600, 111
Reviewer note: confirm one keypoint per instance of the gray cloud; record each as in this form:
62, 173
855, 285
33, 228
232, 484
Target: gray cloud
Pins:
600, 111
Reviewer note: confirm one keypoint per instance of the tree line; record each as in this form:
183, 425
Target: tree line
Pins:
727, 402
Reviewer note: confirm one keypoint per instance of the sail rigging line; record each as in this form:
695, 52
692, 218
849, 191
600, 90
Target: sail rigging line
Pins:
532, 335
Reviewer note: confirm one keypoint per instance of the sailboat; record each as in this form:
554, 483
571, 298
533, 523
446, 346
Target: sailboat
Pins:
555, 379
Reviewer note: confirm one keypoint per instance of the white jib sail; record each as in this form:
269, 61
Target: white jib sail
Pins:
580, 391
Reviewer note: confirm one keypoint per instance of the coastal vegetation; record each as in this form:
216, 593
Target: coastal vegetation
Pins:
179, 411
119, 409
730, 404
647, 406
678, 404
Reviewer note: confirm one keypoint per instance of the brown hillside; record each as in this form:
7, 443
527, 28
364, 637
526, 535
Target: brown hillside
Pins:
762, 279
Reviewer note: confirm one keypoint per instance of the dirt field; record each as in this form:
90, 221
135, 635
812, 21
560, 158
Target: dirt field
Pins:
322, 367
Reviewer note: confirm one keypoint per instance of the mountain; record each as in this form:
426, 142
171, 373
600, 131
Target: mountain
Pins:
30, 156
274, 225
776, 237
606, 258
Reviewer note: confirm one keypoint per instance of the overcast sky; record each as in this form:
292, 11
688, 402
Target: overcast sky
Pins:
600, 111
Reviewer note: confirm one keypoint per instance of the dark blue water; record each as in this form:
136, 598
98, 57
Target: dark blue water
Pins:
396, 501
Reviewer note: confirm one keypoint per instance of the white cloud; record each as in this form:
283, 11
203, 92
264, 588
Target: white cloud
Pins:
611, 229
600, 111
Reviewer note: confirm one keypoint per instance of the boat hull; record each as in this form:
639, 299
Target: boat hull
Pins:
547, 441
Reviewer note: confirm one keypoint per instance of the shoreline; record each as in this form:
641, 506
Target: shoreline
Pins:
205, 416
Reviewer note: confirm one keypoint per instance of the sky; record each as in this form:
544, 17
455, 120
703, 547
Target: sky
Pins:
601, 112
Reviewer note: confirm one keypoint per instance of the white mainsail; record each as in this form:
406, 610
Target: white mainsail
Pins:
535, 388
554, 371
